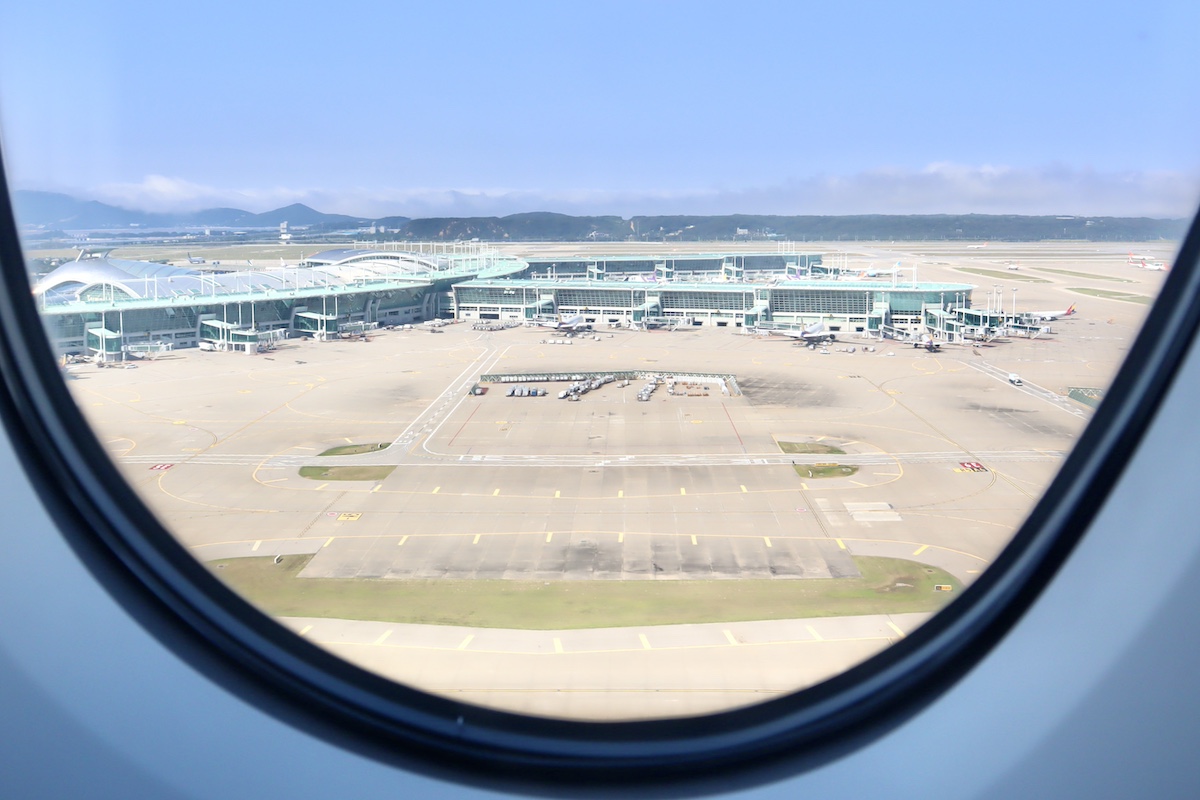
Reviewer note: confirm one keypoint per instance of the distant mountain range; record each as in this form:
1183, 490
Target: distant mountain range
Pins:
49, 211
56, 211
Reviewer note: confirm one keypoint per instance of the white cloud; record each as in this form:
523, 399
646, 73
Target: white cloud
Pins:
938, 188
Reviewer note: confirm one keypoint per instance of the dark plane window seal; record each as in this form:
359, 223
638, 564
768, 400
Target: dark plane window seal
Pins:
176, 599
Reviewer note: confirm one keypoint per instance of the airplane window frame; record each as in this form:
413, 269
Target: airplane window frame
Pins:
178, 601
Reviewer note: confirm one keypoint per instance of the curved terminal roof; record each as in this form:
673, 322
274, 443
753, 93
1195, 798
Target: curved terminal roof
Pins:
117, 280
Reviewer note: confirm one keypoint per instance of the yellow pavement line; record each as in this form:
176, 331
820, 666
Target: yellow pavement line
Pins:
436, 489
841, 545
274, 480
744, 490
322, 486
813, 632
620, 493
257, 544
620, 537
476, 539
383, 636
328, 542
682, 490
899, 632
804, 486
920, 550
729, 636
403, 539
557, 493
557, 645
377, 488
645, 641
767, 539
463, 645
496, 493
549, 534
305, 630
693, 538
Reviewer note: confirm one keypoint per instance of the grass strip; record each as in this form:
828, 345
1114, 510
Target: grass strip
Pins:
824, 470
355, 449
887, 586
346, 473
810, 448
1011, 275
1108, 294
1075, 274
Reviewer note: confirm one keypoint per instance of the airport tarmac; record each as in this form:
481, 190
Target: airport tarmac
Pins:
944, 457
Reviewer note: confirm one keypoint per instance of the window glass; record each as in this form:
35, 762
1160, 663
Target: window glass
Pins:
603, 363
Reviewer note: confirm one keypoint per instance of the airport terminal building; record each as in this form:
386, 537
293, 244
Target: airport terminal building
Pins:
105, 307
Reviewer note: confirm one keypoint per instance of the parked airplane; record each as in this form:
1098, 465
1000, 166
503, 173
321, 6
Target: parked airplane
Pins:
562, 323
813, 334
1046, 316
194, 259
926, 341
1154, 266
977, 246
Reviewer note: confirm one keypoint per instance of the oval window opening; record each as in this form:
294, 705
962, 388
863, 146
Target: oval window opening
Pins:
611, 466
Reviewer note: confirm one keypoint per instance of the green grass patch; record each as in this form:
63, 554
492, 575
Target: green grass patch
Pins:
355, 449
810, 448
1007, 274
824, 470
887, 586
1108, 294
1074, 274
347, 473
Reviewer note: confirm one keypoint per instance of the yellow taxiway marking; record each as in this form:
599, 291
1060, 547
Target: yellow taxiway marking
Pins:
920, 550
243, 391
377, 488
463, 644
813, 632
856, 483
257, 544
620, 537
849, 442
743, 489
697, 421
274, 480
972, 572
645, 641
348, 440
767, 539
305, 629
682, 490
496, 493
620, 492
557, 493
557, 645
322, 486
501, 422
693, 538
729, 637
549, 535
841, 544
476, 539
302, 447
180, 422
383, 636
436, 489
328, 542
899, 632
403, 539
191, 449
887, 474
804, 486
349, 516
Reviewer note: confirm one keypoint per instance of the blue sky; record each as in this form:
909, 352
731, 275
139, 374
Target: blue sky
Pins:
608, 107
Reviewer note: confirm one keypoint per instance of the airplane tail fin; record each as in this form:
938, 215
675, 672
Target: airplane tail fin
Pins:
1070, 310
